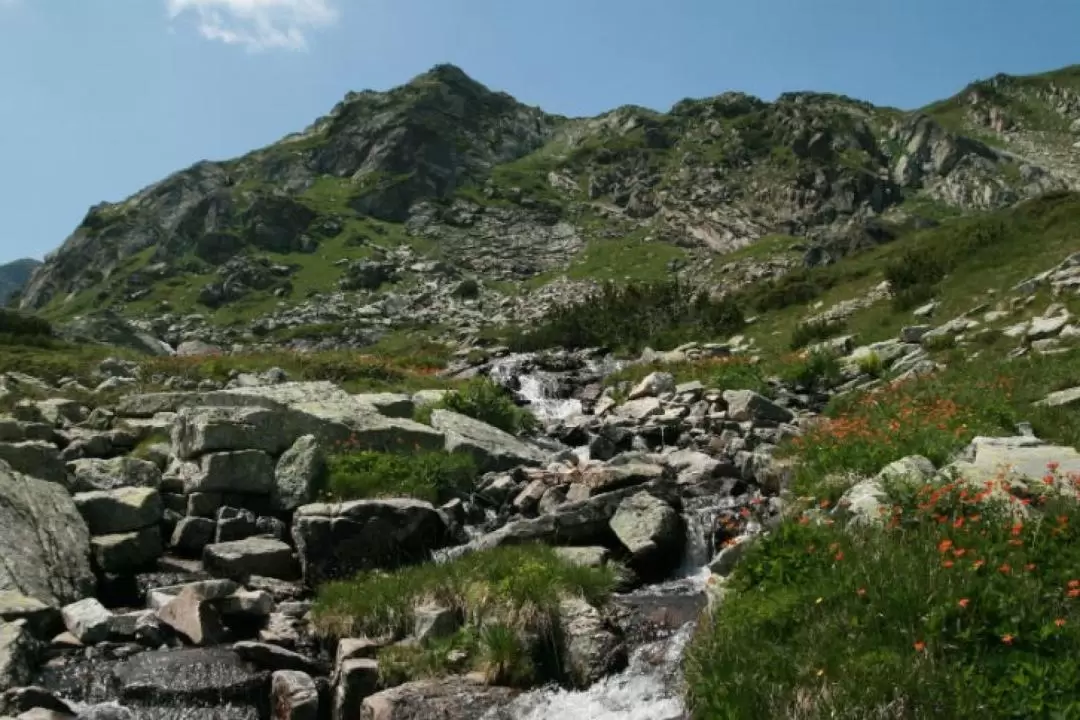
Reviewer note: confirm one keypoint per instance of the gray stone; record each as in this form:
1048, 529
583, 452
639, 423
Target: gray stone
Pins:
454, 698
122, 553
293, 696
653, 533
1070, 396
395, 405
87, 620
640, 409
591, 648
653, 384
492, 448
432, 622
44, 542
43, 620
18, 654
297, 474
235, 524
248, 472
201, 677
218, 589
251, 556
914, 333
95, 474
588, 556
272, 657
194, 617
743, 405
192, 534
338, 540
36, 459
250, 603
121, 510
25, 699
357, 680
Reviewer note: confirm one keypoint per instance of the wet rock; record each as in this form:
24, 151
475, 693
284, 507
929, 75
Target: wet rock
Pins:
338, 540
18, 654
492, 448
294, 696
121, 510
43, 620
653, 533
448, 699
297, 474
198, 677
122, 553
87, 620
591, 648
251, 556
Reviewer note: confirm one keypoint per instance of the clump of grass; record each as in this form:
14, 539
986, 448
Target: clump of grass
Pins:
726, 373
505, 659
659, 314
816, 331
433, 476
871, 364
953, 608
816, 371
486, 401
514, 585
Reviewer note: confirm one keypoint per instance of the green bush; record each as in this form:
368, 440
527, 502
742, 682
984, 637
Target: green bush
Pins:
816, 331
952, 609
433, 476
487, 402
20, 325
661, 315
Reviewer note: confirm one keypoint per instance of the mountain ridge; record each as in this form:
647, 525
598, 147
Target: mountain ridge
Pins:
444, 171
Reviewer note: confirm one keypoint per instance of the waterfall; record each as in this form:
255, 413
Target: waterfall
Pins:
650, 688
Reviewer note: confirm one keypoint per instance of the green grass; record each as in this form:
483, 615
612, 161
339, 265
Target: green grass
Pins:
730, 373
487, 402
436, 477
952, 610
816, 331
510, 585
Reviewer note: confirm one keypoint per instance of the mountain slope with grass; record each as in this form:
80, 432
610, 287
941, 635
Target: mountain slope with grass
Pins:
14, 276
445, 204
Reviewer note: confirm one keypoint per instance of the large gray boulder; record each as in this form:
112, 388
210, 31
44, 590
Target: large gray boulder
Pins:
297, 474
35, 458
95, 474
336, 540
653, 533
454, 698
745, 405
44, 541
257, 555
244, 472
591, 648
126, 552
120, 510
18, 654
294, 696
492, 448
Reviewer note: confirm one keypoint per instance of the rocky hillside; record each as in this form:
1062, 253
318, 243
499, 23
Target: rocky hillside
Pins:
421, 205
14, 276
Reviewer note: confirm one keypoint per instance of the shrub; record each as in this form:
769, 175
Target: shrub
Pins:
510, 585
816, 331
487, 402
467, 289
911, 297
629, 317
952, 609
433, 476
20, 325
871, 364
816, 371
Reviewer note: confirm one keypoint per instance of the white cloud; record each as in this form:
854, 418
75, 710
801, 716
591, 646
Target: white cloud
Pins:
257, 24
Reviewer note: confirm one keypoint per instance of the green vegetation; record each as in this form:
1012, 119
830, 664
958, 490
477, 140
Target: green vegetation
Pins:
726, 373
629, 317
484, 400
506, 598
816, 331
436, 477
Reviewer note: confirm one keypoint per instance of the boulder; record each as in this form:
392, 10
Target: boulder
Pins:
591, 648
200, 430
43, 620
123, 553
454, 698
640, 409
87, 620
36, 459
338, 540
247, 472
191, 677
192, 534
395, 405
492, 448
25, 699
121, 510
44, 542
653, 384
297, 474
743, 405
192, 615
18, 654
653, 533
356, 681
91, 474
251, 556
272, 657
293, 696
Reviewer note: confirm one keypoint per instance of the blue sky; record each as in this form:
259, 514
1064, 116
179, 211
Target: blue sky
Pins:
103, 97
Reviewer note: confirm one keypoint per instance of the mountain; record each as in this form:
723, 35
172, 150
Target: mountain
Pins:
442, 202
14, 276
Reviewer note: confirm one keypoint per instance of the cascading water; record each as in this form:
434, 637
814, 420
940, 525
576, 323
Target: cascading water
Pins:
650, 688
539, 388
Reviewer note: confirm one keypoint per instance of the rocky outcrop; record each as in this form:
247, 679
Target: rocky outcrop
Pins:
44, 541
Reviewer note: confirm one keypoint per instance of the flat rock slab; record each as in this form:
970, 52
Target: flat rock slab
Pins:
449, 699
492, 448
251, 556
120, 510
44, 542
1029, 457
192, 676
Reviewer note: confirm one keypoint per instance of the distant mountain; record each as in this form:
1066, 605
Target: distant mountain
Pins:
372, 215
14, 276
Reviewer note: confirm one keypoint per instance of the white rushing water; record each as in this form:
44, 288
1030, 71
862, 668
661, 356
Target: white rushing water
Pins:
650, 688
